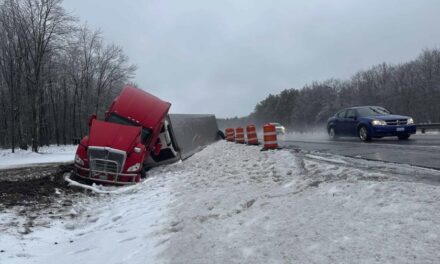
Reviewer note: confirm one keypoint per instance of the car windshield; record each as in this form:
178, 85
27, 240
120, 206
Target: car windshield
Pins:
372, 111
114, 118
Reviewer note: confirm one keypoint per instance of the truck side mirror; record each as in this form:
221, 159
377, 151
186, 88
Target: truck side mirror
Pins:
91, 118
157, 148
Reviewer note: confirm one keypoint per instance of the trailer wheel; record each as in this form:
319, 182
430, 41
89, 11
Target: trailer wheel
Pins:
221, 134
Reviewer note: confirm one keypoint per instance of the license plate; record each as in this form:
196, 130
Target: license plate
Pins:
400, 129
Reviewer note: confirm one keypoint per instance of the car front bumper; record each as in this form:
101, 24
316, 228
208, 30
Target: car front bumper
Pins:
389, 131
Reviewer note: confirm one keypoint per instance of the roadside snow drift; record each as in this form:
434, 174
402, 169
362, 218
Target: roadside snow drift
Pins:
49, 154
232, 203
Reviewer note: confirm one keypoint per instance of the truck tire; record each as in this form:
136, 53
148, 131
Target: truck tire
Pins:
143, 173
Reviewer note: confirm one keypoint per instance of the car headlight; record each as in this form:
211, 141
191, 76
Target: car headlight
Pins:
378, 122
410, 121
135, 167
79, 160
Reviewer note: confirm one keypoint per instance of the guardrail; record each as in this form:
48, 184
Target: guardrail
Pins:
424, 127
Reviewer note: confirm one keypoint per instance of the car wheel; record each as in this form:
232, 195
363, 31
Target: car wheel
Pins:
332, 133
363, 134
403, 137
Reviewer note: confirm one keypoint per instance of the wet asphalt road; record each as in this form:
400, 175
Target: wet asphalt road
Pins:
420, 150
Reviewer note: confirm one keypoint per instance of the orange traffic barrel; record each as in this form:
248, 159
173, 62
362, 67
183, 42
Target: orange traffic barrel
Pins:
239, 135
251, 132
270, 137
230, 134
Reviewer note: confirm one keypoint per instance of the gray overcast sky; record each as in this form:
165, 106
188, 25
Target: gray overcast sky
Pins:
223, 57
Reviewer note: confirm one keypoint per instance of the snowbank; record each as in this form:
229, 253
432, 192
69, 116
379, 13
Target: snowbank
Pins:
22, 158
96, 229
246, 206
232, 203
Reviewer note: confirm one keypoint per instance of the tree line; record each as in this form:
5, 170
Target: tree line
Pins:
411, 88
54, 73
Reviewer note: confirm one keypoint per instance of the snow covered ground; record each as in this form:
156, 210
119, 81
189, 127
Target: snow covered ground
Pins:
46, 155
232, 203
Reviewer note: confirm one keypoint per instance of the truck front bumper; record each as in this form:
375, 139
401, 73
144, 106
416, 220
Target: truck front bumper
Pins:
106, 177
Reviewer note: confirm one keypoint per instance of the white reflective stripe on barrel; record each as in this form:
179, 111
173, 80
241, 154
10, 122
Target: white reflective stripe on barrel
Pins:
270, 142
270, 133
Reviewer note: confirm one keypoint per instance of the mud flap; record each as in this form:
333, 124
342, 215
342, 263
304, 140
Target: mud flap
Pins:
193, 132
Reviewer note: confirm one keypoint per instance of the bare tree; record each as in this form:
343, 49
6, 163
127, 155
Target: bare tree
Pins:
411, 88
53, 74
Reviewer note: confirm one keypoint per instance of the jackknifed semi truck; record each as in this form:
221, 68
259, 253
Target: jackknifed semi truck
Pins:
138, 133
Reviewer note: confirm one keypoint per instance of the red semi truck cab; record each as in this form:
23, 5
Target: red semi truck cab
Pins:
135, 134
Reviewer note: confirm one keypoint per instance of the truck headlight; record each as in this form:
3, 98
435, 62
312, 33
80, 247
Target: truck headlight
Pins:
410, 121
79, 160
135, 167
378, 122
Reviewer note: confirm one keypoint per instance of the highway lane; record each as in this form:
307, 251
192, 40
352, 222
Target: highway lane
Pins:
420, 150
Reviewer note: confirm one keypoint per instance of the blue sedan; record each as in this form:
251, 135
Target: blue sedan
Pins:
367, 122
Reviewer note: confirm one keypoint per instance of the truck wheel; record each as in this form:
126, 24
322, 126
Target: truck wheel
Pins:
143, 173
363, 134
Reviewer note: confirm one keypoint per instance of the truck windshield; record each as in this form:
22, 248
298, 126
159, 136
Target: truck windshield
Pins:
114, 118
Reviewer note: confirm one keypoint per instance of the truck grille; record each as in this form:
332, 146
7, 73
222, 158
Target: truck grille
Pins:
104, 166
397, 122
106, 160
